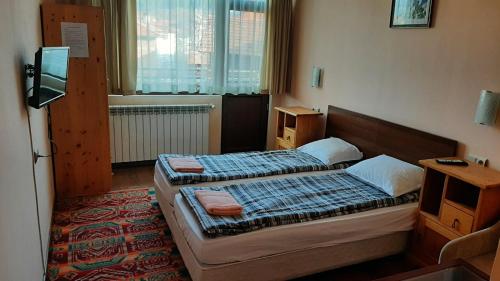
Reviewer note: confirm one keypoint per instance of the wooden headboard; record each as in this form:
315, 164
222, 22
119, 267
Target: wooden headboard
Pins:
375, 137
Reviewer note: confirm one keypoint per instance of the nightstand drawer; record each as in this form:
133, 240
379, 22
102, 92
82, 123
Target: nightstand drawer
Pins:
456, 219
289, 135
283, 144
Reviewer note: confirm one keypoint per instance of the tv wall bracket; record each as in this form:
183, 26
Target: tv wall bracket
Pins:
29, 70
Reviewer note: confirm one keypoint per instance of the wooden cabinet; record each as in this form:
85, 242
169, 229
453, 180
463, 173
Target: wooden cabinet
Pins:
248, 112
454, 201
297, 126
80, 120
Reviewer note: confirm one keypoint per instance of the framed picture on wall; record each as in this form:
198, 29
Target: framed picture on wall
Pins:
411, 13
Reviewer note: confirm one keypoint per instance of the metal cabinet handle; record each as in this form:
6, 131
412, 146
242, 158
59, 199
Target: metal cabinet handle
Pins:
455, 223
288, 138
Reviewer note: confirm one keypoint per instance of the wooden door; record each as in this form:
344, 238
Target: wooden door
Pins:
80, 128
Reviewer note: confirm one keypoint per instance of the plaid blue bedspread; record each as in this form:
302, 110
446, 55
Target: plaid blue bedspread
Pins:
292, 200
246, 165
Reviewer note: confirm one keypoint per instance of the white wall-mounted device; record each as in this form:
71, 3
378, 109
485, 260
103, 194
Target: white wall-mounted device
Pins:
487, 108
317, 74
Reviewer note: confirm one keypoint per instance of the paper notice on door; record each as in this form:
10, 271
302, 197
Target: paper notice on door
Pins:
74, 35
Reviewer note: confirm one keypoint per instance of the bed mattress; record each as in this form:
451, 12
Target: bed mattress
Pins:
255, 164
289, 238
163, 186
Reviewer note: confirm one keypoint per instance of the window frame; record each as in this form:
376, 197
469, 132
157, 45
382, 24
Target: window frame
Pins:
220, 54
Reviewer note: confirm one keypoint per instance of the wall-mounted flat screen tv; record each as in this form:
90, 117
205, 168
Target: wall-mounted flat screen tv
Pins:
50, 75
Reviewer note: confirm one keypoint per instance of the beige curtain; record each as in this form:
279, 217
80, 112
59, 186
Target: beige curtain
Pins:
121, 45
121, 42
277, 47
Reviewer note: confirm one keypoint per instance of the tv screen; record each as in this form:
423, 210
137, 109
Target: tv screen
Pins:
51, 75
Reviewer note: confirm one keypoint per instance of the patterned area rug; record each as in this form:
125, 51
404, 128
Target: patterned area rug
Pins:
116, 236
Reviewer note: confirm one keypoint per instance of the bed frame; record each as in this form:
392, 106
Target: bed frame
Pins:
374, 137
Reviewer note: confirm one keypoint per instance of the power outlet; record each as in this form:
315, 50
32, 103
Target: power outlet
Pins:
480, 160
317, 109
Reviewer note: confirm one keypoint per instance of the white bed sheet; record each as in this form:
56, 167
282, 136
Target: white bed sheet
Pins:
164, 187
290, 238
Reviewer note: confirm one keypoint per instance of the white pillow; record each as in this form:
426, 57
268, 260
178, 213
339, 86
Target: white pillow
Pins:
332, 151
393, 176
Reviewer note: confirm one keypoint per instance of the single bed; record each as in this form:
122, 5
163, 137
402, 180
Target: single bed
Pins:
243, 165
290, 251
166, 192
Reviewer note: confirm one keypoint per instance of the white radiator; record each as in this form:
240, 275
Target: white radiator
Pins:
141, 132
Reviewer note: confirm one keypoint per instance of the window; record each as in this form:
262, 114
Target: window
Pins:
203, 46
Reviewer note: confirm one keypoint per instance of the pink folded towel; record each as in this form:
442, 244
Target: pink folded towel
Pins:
218, 203
185, 165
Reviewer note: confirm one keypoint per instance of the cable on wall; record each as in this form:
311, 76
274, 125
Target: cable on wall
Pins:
33, 162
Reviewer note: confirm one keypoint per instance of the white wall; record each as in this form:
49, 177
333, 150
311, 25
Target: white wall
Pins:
428, 79
20, 258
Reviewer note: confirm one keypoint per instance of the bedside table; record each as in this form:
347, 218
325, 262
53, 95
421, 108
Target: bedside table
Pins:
454, 201
297, 126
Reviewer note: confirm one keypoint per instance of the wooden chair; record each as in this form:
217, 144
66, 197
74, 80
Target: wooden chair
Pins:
495, 273
471, 245
477, 248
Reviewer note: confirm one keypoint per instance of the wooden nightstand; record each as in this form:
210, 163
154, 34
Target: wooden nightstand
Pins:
297, 126
454, 201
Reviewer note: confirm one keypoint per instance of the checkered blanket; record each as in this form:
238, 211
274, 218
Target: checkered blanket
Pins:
292, 200
246, 165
